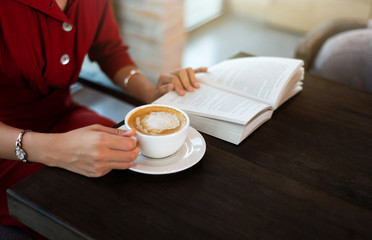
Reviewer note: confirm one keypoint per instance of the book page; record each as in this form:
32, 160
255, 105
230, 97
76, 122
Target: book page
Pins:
293, 87
212, 102
261, 78
228, 131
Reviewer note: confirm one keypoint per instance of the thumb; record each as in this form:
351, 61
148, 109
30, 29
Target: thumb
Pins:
201, 69
118, 132
166, 88
127, 133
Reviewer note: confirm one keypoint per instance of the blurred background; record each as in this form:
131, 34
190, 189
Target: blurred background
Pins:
168, 34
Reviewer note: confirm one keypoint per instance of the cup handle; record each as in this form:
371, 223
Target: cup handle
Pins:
123, 127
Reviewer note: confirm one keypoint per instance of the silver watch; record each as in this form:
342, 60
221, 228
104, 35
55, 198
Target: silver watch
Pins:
19, 151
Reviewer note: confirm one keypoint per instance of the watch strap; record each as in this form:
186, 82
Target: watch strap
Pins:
19, 151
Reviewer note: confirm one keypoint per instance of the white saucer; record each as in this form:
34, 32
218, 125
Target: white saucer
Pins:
187, 156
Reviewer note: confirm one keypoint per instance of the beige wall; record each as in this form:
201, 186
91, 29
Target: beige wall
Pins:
301, 15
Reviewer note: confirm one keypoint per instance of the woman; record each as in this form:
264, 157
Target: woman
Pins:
43, 44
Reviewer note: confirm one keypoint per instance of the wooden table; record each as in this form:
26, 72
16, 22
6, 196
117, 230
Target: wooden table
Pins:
305, 174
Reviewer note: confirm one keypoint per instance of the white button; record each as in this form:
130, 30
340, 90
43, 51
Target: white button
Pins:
66, 26
65, 59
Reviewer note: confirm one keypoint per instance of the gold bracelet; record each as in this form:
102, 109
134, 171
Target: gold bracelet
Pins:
131, 73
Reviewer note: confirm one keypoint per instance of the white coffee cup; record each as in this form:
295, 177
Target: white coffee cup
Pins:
163, 136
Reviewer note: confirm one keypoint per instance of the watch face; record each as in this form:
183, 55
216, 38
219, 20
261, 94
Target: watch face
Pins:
20, 154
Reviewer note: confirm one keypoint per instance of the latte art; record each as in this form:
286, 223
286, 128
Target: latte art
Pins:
157, 120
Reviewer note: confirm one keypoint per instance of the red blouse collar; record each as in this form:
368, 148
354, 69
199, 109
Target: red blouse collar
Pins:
50, 8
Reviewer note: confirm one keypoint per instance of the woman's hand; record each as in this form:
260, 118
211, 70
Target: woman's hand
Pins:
92, 151
178, 80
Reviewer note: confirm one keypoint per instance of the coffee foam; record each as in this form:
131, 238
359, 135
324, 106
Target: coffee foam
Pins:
157, 122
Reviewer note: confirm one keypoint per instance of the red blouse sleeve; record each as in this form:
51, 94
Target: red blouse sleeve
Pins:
108, 48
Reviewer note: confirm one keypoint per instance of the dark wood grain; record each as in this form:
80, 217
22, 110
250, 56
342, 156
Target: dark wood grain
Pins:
305, 174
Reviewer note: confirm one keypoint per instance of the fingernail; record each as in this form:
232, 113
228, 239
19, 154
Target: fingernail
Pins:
129, 132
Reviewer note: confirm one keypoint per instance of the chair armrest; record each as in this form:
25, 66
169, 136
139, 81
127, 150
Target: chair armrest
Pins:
313, 41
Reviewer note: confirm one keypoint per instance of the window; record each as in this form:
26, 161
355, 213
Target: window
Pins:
198, 12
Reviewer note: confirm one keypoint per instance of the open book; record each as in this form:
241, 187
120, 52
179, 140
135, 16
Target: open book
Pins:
238, 95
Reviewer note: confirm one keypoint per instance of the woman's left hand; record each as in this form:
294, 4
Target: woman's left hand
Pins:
180, 80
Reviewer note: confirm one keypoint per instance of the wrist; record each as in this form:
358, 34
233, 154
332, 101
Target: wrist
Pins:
38, 147
135, 83
129, 76
152, 94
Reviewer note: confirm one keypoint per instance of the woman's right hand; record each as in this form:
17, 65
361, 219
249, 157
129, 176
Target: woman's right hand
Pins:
92, 151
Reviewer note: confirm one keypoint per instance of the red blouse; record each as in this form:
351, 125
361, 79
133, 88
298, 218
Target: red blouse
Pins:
42, 50
41, 53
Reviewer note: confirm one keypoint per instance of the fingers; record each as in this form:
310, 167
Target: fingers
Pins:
192, 78
114, 138
124, 156
112, 158
186, 76
179, 80
126, 133
170, 82
114, 131
120, 142
99, 170
115, 160
162, 89
95, 150
201, 69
